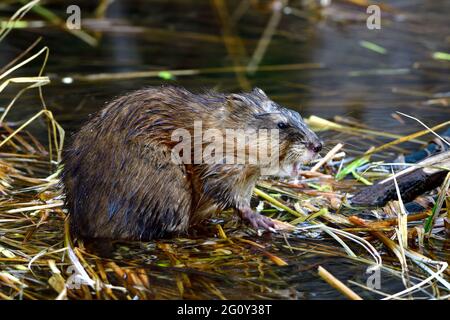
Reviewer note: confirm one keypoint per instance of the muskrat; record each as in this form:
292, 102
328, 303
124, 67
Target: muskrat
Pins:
120, 178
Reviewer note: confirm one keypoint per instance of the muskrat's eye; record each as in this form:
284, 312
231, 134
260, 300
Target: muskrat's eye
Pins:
282, 125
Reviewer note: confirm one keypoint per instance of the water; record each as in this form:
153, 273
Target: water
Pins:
339, 76
153, 35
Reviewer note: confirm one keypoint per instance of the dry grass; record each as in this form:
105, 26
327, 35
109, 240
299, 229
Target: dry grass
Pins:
223, 259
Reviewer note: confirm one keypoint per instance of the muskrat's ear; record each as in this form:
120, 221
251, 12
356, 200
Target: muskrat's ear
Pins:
259, 92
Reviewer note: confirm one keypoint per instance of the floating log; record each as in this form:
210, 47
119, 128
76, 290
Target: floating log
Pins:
412, 182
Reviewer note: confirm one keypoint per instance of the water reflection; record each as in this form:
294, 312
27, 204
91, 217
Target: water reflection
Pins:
186, 35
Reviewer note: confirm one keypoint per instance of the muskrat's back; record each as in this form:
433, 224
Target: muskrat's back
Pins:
121, 181
117, 178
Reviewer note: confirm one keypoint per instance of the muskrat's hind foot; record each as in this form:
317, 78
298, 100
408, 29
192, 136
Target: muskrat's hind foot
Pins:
257, 221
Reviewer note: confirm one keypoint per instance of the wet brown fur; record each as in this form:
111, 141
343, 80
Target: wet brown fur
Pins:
121, 183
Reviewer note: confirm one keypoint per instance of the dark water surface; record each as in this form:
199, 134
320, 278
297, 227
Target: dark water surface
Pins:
172, 35
330, 73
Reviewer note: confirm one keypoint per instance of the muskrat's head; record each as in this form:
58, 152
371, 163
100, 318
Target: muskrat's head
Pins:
297, 144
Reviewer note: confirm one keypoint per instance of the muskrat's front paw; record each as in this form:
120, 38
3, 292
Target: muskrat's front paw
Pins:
258, 221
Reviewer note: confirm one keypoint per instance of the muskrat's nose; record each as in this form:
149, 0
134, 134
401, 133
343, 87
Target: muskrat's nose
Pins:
315, 146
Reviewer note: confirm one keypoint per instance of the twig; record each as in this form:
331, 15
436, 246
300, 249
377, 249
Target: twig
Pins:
337, 284
329, 156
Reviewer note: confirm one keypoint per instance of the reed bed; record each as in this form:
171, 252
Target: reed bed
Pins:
327, 249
